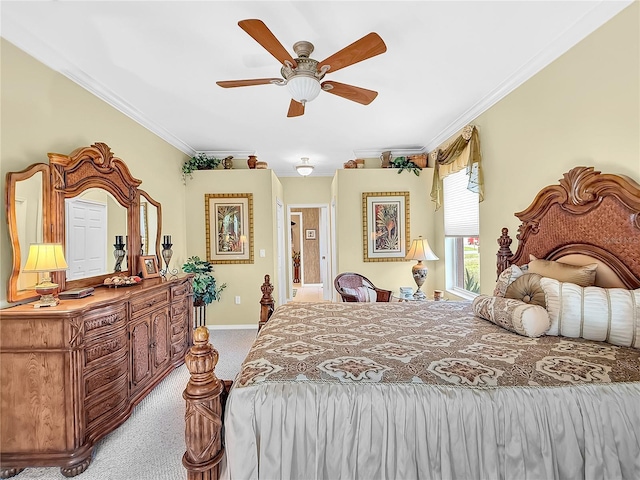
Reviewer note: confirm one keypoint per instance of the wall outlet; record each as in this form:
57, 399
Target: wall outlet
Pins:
237, 299
263, 253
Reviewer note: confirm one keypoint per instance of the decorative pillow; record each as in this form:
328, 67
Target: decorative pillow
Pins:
604, 314
527, 289
506, 278
363, 294
585, 276
514, 315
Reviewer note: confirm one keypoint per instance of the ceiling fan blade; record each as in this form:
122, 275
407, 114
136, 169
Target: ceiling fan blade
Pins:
368, 46
296, 109
246, 83
261, 34
355, 94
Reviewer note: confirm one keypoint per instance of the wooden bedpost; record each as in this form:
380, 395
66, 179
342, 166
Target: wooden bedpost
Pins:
504, 252
266, 302
203, 417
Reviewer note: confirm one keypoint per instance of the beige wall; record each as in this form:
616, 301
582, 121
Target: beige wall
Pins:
243, 280
43, 111
349, 186
583, 109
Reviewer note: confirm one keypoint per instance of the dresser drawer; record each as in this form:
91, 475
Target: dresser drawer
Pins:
103, 320
181, 290
108, 404
179, 309
178, 349
140, 306
104, 378
106, 348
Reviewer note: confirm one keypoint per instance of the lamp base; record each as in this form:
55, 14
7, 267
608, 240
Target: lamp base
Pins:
46, 290
419, 295
46, 301
419, 272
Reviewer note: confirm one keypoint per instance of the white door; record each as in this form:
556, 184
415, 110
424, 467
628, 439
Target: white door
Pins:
87, 229
325, 264
282, 278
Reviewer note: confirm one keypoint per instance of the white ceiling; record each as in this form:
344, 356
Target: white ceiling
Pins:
446, 62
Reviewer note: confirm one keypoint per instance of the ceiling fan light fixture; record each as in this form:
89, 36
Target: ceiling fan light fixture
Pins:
304, 168
303, 88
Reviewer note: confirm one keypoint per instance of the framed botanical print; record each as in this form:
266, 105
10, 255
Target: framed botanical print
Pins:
229, 227
385, 219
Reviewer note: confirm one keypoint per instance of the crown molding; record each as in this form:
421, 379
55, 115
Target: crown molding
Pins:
581, 28
375, 153
228, 153
53, 59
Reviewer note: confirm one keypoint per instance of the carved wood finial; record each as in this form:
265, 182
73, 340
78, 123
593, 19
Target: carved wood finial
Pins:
105, 153
203, 417
266, 302
504, 251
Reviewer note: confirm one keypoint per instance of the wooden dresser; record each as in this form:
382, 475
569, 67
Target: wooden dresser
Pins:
70, 374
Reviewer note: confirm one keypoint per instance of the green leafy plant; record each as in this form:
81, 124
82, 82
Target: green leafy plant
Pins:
403, 163
202, 161
470, 282
205, 288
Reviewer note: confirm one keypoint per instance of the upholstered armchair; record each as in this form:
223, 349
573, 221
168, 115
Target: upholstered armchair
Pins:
354, 287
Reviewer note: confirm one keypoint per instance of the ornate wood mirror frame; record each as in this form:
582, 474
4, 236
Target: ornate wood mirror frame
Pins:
144, 197
93, 167
68, 176
15, 293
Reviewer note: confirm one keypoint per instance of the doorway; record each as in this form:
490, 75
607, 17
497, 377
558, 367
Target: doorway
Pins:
309, 240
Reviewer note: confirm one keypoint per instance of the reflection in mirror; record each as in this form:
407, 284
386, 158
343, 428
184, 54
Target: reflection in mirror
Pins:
151, 223
94, 220
29, 218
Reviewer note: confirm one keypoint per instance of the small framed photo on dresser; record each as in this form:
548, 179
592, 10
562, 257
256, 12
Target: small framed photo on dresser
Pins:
149, 266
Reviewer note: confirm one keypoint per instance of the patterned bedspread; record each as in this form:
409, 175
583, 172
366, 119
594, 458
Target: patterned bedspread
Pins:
422, 342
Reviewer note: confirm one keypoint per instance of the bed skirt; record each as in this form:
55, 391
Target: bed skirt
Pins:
316, 430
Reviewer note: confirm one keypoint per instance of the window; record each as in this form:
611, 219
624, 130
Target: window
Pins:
461, 215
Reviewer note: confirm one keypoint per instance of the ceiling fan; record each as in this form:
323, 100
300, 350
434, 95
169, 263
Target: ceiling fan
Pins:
303, 75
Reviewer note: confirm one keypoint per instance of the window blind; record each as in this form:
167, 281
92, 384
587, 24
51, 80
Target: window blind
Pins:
461, 207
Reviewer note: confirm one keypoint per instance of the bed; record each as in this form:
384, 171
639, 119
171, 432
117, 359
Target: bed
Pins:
429, 389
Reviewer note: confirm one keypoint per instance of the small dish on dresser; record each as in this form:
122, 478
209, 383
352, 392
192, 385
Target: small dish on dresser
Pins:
119, 281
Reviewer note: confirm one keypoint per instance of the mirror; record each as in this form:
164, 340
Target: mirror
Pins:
26, 191
89, 176
94, 220
150, 225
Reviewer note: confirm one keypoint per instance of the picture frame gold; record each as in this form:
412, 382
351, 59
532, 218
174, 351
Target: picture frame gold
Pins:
386, 226
229, 227
149, 266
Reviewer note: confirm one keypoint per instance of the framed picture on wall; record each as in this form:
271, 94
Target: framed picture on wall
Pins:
310, 234
229, 227
385, 218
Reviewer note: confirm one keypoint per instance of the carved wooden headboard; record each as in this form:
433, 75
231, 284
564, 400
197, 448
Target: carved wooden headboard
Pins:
588, 213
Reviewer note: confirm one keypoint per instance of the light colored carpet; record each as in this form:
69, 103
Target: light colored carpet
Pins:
150, 444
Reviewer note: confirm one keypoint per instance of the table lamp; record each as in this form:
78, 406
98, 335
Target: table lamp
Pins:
45, 258
420, 251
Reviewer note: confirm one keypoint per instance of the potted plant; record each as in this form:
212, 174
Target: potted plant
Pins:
403, 163
205, 288
202, 161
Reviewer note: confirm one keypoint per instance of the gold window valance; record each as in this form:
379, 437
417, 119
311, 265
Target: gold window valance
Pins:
463, 152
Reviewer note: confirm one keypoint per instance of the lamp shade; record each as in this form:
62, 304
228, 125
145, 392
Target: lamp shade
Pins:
420, 250
303, 88
304, 168
45, 257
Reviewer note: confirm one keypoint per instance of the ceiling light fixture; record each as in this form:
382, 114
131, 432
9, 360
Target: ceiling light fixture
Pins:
303, 88
304, 168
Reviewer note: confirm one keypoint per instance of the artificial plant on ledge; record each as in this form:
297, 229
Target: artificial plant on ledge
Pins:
205, 289
403, 163
201, 161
